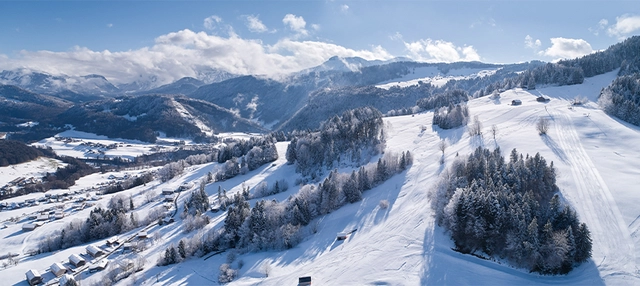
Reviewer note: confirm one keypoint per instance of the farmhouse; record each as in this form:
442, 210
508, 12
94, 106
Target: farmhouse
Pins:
76, 260
58, 269
516, 102
101, 265
33, 277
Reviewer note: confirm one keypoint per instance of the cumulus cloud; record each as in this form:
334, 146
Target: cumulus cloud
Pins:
530, 43
255, 25
624, 26
211, 22
567, 48
185, 53
440, 51
296, 24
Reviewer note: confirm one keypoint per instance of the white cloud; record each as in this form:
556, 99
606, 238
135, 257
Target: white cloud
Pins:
344, 8
255, 25
315, 27
440, 51
296, 24
109, 25
184, 53
396, 36
602, 25
532, 44
567, 48
624, 25
210, 23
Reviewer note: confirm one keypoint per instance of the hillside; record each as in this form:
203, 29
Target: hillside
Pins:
593, 154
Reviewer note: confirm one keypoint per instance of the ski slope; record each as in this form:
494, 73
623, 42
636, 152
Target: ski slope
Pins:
596, 158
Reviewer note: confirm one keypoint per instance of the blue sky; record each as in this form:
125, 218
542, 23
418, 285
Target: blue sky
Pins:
125, 39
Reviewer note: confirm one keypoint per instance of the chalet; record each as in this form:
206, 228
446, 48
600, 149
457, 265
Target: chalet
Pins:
126, 246
142, 235
342, 235
94, 251
29, 226
33, 277
99, 266
43, 217
58, 269
76, 260
167, 192
516, 102
304, 281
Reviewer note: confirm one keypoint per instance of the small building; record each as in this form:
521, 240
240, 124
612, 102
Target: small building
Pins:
304, 281
169, 198
126, 246
94, 251
43, 217
342, 235
142, 235
67, 278
58, 269
114, 241
167, 192
516, 102
33, 277
58, 215
167, 220
99, 266
29, 226
542, 99
76, 260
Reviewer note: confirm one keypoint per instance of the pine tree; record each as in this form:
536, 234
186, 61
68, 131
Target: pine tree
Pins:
182, 249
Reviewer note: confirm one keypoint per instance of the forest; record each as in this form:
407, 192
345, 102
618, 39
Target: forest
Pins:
510, 210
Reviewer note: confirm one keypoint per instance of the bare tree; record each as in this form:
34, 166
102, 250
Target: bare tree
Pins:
476, 127
494, 131
442, 146
543, 125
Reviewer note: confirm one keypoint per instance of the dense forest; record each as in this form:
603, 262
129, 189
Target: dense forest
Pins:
354, 136
15, 152
510, 210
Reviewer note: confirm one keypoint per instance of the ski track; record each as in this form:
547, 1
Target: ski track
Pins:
613, 248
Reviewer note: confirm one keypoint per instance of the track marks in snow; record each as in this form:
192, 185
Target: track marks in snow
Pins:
612, 243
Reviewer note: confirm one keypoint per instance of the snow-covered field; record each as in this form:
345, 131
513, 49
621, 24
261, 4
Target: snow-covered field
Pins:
36, 168
433, 76
598, 173
89, 145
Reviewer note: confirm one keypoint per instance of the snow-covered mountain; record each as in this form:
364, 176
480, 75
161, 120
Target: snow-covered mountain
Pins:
49, 84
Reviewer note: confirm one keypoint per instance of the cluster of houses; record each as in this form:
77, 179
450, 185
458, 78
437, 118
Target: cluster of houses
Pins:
18, 183
58, 269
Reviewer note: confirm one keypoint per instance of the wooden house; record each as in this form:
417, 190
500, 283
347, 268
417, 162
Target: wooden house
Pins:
304, 281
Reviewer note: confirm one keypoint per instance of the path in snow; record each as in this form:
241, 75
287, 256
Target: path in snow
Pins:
613, 248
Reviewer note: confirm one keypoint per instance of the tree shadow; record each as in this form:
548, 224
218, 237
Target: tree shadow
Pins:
554, 147
444, 266
452, 135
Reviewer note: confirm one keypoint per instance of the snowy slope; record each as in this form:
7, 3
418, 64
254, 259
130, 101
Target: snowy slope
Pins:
434, 76
598, 173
